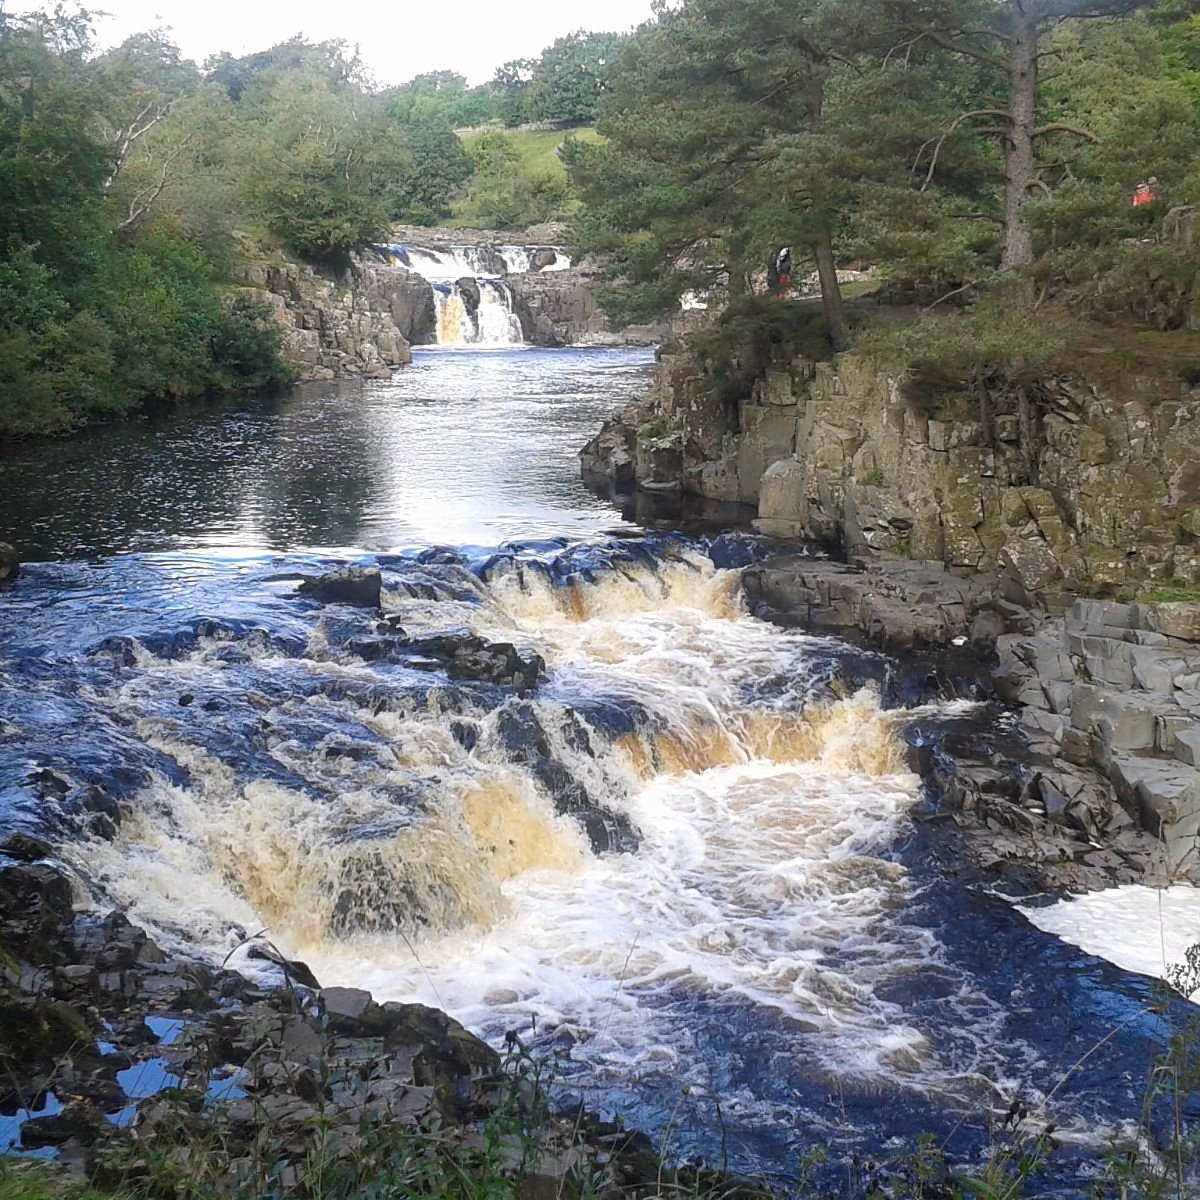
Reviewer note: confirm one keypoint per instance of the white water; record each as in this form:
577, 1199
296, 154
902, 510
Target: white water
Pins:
762, 879
493, 325
1142, 929
474, 262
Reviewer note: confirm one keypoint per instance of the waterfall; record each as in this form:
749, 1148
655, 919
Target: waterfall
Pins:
472, 303
480, 316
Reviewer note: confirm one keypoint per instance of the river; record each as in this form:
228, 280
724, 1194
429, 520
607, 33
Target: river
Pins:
691, 867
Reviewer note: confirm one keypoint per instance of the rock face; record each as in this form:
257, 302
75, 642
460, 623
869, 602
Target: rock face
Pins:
356, 323
1116, 687
558, 309
1075, 484
893, 603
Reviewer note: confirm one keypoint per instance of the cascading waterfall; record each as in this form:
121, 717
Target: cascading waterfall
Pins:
678, 846
472, 303
481, 316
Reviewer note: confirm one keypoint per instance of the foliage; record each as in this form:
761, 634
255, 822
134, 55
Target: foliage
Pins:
508, 187
569, 78
945, 357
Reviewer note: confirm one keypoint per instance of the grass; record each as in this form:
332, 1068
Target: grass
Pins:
1170, 595
537, 149
31, 1180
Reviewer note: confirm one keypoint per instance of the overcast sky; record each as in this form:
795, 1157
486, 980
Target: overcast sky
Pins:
397, 40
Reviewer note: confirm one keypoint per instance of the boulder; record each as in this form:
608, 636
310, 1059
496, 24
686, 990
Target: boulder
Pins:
358, 586
468, 289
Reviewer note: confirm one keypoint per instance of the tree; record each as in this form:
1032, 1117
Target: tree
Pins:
570, 76
721, 148
1006, 36
509, 88
319, 158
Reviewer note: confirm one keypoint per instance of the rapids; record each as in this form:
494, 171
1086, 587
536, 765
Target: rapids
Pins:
691, 866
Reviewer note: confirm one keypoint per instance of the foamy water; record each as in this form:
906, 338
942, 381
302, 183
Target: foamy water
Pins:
1142, 929
395, 838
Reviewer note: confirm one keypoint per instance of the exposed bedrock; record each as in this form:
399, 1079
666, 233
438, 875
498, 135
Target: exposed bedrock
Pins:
1083, 482
10, 564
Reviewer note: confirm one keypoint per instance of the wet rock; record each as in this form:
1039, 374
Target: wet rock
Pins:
358, 586
77, 1120
35, 906
10, 565
345, 1007
461, 655
895, 603
26, 848
610, 455
468, 289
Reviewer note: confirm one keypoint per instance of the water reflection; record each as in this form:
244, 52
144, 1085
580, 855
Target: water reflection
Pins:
460, 447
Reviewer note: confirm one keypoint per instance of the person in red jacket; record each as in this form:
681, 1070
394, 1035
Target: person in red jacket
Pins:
1145, 192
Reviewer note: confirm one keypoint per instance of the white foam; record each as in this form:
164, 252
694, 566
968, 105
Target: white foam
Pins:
1142, 929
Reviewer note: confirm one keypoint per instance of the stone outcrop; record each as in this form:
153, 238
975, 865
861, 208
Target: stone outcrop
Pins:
341, 323
360, 587
892, 603
558, 309
1116, 687
1065, 486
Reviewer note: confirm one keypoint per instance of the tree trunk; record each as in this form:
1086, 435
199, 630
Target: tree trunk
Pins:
831, 292
1018, 144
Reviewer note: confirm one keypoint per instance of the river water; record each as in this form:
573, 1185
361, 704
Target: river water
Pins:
691, 867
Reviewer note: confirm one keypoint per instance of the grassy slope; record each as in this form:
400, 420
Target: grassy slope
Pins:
537, 150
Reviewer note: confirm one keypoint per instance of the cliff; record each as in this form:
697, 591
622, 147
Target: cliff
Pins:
1083, 481
360, 321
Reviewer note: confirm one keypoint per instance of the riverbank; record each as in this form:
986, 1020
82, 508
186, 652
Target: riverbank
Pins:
144, 1071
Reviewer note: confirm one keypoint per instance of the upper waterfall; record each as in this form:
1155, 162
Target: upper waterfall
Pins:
475, 261
473, 306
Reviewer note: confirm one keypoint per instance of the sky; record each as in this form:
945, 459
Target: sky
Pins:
397, 40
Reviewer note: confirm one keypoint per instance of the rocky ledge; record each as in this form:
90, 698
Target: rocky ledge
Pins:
1079, 767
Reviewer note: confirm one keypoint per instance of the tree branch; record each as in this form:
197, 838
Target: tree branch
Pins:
937, 150
1061, 127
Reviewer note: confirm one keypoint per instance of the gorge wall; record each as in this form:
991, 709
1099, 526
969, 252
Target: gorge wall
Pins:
1085, 481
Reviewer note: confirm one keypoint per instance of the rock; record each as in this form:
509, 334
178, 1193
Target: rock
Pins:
345, 1007
460, 655
1187, 745
1180, 620
1026, 569
358, 586
468, 289
35, 906
781, 495
10, 565
26, 848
